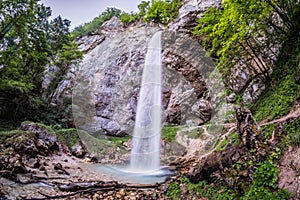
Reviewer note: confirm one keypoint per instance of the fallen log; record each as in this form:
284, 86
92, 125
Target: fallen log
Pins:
91, 187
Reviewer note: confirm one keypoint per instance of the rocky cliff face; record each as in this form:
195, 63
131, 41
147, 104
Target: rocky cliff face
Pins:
107, 86
104, 88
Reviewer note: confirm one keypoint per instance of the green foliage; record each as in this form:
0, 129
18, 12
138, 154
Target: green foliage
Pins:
281, 92
228, 32
275, 156
277, 102
103, 147
233, 34
173, 190
119, 141
230, 116
68, 136
222, 146
169, 133
292, 129
288, 11
264, 184
196, 133
233, 139
128, 18
212, 191
24, 47
8, 137
266, 175
67, 55
29, 43
162, 11
268, 130
94, 25
159, 11
143, 8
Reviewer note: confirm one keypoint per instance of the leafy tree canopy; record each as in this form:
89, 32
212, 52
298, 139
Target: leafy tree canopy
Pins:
162, 11
29, 43
246, 29
158, 11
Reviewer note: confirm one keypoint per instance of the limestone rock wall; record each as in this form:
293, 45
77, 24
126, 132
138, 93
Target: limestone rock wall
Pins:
104, 88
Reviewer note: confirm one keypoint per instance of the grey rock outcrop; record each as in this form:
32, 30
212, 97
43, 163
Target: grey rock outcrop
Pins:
189, 12
88, 43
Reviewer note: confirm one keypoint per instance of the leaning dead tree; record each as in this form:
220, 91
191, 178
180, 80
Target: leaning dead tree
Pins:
250, 137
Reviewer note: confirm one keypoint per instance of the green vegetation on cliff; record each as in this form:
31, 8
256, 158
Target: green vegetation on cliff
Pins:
247, 32
283, 89
157, 11
93, 26
162, 11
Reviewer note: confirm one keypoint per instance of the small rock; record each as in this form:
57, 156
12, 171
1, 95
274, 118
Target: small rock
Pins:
34, 163
87, 160
78, 151
96, 197
58, 166
231, 98
42, 168
122, 192
23, 196
132, 196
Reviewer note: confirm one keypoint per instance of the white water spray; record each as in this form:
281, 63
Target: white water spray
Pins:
145, 154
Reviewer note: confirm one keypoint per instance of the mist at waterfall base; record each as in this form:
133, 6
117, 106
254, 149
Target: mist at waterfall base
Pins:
144, 164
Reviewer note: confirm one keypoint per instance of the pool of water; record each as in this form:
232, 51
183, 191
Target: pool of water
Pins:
124, 173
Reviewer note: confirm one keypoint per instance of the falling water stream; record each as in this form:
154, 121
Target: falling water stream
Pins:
145, 154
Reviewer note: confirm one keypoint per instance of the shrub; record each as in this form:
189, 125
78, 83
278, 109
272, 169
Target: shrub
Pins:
292, 130
173, 190
163, 11
264, 185
127, 18
212, 191
169, 133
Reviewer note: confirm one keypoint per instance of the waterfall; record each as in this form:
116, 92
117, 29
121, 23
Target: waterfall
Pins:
145, 154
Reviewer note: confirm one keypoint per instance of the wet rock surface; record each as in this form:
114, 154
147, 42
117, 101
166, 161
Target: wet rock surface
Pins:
289, 176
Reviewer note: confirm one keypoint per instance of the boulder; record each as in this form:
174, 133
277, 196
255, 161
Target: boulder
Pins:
44, 141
